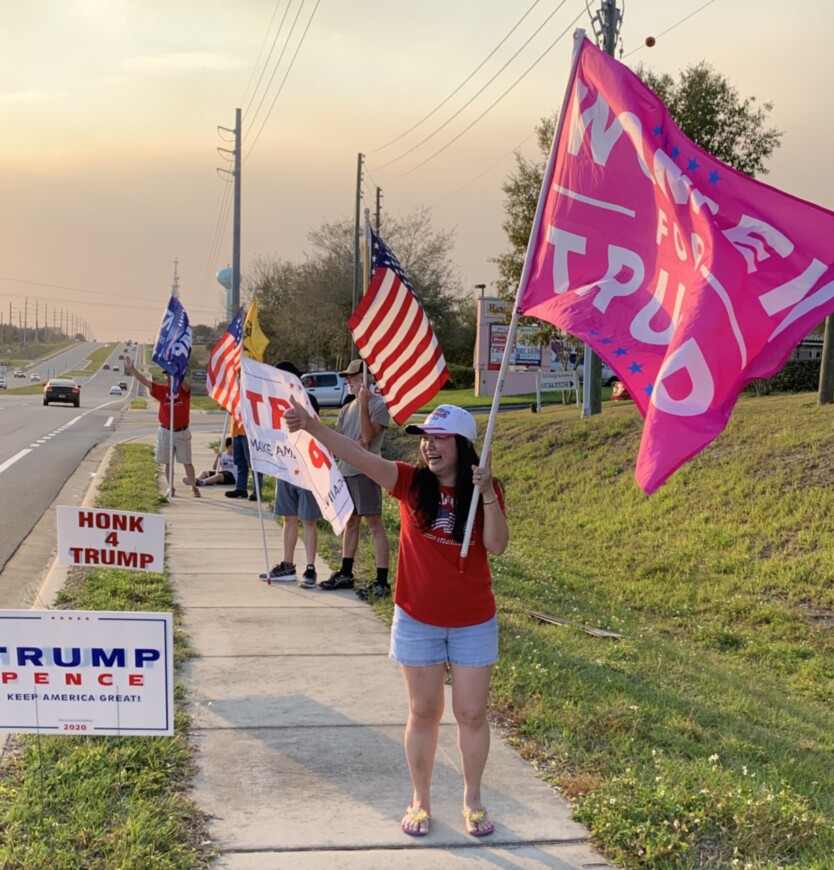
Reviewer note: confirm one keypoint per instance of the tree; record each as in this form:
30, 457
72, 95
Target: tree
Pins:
709, 110
304, 307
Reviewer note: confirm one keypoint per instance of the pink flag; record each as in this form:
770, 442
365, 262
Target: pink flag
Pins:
687, 277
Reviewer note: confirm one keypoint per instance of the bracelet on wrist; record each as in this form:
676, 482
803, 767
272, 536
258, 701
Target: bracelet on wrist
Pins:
491, 501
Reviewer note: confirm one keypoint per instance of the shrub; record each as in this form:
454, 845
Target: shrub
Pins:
460, 377
796, 376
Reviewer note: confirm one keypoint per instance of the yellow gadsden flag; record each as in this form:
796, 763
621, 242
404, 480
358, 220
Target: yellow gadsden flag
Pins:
254, 341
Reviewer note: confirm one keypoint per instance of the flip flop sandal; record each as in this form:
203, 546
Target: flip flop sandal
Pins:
478, 822
415, 823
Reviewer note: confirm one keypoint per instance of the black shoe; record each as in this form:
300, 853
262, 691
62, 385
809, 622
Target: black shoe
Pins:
253, 497
337, 580
378, 590
237, 493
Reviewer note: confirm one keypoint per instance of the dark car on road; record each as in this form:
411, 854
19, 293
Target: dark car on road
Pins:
62, 390
122, 385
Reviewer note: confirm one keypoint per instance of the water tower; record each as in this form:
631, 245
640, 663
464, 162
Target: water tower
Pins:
224, 278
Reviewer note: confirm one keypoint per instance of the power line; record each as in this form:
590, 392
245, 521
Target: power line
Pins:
479, 92
286, 74
277, 63
485, 171
477, 68
62, 287
258, 58
491, 107
676, 24
283, 81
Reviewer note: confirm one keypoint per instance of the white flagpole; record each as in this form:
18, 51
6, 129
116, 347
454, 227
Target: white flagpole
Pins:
366, 277
171, 440
261, 517
578, 36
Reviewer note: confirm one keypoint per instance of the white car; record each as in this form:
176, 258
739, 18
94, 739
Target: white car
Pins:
34, 376
115, 390
2, 383
329, 388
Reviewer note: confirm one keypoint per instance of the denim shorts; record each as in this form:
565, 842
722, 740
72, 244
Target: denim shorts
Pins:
292, 501
417, 644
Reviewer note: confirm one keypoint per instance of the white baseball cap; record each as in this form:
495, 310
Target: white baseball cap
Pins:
447, 420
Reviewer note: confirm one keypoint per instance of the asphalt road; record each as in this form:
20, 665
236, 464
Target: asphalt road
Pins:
40, 447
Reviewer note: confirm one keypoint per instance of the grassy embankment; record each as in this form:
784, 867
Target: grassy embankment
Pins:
94, 362
704, 737
104, 802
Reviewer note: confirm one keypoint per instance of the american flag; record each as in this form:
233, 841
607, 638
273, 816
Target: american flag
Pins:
224, 368
394, 336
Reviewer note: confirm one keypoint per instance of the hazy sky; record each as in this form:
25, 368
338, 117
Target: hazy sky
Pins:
109, 110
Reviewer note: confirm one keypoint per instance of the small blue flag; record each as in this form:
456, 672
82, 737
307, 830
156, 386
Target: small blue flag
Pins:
173, 344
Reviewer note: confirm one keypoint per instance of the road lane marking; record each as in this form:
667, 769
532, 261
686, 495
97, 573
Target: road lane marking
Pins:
109, 422
9, 462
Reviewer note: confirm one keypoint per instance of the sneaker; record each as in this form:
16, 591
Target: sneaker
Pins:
283, 572
378, 590
197, 481
236, 493
308, 578
337, 580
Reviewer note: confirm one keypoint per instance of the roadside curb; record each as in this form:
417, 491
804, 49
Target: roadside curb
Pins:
56, 575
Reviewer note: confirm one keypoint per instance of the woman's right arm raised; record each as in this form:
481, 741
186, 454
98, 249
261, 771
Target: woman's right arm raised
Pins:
382, 471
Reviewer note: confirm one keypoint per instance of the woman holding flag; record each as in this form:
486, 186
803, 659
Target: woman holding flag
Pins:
444, 614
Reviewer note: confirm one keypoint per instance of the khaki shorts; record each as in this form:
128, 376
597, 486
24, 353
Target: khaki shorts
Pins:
182, 446
366, 495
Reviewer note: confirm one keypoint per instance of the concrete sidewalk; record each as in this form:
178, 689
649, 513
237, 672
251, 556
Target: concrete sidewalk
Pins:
298, 717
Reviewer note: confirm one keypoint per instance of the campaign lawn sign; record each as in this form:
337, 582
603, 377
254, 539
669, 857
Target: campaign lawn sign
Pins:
94, 537
86, 672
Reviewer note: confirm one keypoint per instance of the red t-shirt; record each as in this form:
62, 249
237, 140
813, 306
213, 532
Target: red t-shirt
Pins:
182, 405
430, 587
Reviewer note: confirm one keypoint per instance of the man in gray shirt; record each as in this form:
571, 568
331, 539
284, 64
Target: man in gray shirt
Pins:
364, 420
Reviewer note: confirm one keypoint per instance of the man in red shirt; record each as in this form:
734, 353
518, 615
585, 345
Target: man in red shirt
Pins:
182, 432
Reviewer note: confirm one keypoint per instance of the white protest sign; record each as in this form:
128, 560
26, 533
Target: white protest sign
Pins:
116, 539
86, 672
294, 457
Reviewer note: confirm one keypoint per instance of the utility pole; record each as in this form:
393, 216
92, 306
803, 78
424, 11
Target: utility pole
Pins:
25, 318
378, 215
606, 24
234, 297
357, 263
825, 394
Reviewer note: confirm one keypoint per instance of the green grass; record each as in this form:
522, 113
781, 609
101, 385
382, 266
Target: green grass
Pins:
705, 735
94, 362
22, 356
701, 739
106, 802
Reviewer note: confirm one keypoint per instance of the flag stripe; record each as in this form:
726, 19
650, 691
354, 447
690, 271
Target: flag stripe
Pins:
222, 376
395, 338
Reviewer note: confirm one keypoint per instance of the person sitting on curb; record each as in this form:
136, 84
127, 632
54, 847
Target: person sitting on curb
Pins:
181, 428
222, 469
